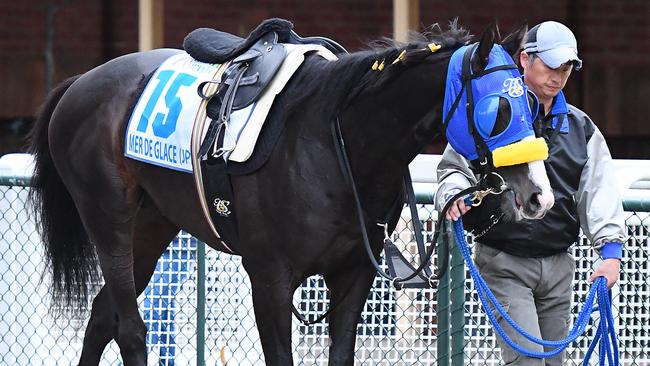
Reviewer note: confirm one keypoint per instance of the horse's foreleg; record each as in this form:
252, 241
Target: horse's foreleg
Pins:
152, 233
349, 291
272, 295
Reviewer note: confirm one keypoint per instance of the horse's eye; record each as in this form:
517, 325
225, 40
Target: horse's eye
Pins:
503, 117
492, 116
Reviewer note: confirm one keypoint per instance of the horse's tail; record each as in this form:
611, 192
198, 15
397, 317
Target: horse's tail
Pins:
70, 257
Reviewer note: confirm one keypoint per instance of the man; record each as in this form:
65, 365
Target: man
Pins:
526, 263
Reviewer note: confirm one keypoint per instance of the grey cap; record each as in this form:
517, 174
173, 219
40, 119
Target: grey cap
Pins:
554, 43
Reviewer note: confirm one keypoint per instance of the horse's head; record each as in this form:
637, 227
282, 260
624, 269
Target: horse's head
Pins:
392, 107
488, 117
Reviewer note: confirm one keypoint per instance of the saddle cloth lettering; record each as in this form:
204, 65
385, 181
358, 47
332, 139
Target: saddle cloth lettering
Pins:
160, 127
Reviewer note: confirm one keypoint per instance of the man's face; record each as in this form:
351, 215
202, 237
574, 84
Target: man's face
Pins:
545, 82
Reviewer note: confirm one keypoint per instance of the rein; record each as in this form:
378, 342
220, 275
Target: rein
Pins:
479, 191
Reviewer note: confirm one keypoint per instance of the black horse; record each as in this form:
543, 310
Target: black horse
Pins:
98, 209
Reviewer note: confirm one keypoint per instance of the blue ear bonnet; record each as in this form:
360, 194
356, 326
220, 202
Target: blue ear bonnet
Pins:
487, 90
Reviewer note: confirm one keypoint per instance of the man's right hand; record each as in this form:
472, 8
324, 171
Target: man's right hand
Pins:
457, 209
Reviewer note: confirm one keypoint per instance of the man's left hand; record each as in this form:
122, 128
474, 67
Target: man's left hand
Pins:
610, 269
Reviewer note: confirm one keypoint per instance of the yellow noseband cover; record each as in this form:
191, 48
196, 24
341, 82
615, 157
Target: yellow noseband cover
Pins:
520, 152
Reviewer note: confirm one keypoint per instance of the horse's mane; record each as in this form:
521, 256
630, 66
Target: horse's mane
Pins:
417, 51
351, 76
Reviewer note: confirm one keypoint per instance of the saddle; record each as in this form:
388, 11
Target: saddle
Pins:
250, 67
213, 46
254, 62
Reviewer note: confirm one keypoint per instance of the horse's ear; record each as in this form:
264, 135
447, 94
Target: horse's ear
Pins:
497, 33
489, 37
514, 42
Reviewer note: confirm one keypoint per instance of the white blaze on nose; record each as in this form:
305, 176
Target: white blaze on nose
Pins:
537, 174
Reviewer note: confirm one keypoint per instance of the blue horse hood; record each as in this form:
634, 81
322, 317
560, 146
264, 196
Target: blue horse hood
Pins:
487, 90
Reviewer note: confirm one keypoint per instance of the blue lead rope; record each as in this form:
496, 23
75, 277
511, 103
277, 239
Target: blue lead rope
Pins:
605, 337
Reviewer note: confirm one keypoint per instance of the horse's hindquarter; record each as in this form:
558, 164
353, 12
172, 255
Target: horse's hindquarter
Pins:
91, 117
86, 132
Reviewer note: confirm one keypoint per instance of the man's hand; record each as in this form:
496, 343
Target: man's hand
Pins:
457, 209
610, 269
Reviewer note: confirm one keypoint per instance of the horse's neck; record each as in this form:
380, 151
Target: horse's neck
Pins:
388, 129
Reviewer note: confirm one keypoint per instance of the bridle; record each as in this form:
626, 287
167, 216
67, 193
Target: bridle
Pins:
485, 164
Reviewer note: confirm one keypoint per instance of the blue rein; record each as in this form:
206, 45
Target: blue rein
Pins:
605, 337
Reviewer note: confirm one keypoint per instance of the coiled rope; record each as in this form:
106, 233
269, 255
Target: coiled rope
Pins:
605, 338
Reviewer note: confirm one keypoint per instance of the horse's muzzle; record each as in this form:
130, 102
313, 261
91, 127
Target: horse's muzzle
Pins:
537, 205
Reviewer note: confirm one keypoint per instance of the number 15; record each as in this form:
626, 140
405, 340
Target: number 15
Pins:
164, 125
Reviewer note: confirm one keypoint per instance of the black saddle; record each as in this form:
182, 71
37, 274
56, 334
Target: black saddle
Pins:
213, 46
255, 60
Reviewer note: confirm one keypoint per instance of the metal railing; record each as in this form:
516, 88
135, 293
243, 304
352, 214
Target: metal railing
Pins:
198, 307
